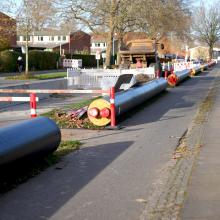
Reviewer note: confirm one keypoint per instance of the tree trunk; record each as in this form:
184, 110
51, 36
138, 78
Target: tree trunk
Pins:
110, 33
109, 50
210, 51
118, 53
26, 56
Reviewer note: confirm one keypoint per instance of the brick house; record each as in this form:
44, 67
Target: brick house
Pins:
54, 40
8, 29
79, 42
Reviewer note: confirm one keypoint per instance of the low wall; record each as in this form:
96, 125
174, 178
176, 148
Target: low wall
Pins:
43, 84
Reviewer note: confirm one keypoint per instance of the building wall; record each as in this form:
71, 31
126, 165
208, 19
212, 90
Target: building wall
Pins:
79, 43
98, 46
44, 39
8, 28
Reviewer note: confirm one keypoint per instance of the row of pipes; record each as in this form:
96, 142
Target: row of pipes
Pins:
99, 111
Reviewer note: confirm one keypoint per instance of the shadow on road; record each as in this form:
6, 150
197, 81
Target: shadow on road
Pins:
47, 193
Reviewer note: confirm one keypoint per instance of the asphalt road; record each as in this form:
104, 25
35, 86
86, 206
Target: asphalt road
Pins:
111, 176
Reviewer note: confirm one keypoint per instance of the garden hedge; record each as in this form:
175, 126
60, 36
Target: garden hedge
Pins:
38, 60
8, 61
42, 60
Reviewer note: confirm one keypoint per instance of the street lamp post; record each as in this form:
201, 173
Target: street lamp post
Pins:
113, 47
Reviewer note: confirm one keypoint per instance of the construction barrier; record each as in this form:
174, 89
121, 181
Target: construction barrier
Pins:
32, 99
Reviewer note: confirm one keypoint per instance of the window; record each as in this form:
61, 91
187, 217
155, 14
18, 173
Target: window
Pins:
18, 38
59, 38
52, 38
64, 38
97, 44
24, 38
40, 38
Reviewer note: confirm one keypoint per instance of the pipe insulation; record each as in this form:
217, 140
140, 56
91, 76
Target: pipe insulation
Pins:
39, 136
99, 110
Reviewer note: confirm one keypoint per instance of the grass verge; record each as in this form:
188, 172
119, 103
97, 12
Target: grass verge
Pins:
38, 76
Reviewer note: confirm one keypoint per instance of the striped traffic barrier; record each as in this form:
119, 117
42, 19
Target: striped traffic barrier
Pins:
32, 99
58, 91
33, 105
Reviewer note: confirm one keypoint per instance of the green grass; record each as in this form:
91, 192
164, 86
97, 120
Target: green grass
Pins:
38, 76
14, 174
51, 75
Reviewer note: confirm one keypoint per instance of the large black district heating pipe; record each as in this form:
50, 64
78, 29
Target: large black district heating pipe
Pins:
30, 138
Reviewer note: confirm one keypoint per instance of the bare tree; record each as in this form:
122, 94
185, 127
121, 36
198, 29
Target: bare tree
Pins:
206, 24
156, 17
25, 26
109, 15
33, 15
41, 13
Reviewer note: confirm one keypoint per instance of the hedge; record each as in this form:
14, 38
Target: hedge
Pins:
8, 61
42, 60
87, 60
38, 60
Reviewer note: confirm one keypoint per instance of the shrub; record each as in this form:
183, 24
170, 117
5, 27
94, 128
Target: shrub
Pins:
8, 61
42, 60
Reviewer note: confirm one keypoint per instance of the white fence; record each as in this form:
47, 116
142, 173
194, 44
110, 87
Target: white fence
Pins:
97, 78
179, 66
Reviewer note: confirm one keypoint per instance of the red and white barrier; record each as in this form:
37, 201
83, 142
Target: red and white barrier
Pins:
32, 99
33, 105
58, 91
16, 99
112, 106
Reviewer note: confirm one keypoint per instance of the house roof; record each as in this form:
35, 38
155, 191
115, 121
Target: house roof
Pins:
98, 38
129, 36
5, 15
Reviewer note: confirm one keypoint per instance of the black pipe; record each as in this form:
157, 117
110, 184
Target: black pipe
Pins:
34, 137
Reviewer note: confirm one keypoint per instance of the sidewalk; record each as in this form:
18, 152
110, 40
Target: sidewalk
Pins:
203, 196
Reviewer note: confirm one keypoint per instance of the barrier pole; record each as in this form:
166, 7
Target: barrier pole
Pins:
112, 106
158, 74
166, 74
33, 105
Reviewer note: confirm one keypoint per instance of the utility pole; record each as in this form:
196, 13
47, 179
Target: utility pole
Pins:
26, 35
